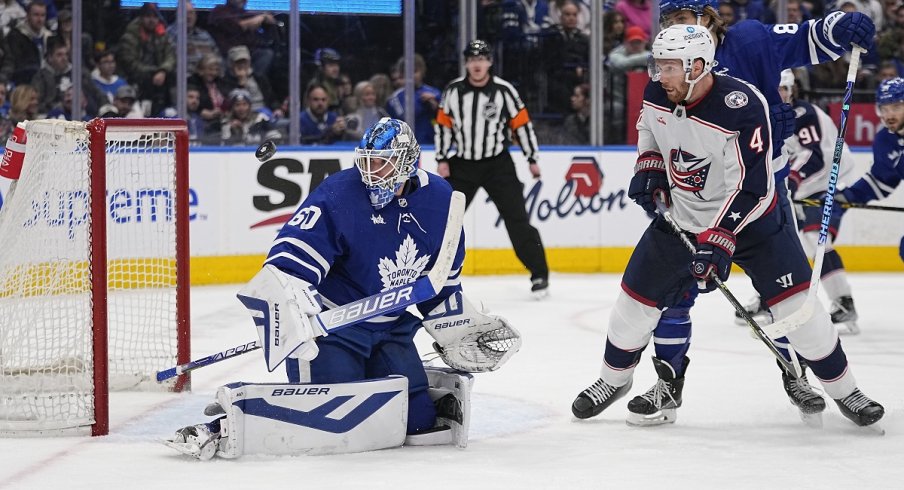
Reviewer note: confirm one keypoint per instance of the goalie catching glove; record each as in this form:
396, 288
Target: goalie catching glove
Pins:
470, 340
282, 306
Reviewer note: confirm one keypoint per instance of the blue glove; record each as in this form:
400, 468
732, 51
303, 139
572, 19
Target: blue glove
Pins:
715, 247
650, 181
854, 28
783, 123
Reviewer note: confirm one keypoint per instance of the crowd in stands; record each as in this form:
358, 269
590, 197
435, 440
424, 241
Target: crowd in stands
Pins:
351, 72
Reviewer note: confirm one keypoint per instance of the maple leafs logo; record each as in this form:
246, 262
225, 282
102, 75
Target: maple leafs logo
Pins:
406, 268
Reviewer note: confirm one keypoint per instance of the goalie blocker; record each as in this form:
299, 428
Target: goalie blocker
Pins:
304, 418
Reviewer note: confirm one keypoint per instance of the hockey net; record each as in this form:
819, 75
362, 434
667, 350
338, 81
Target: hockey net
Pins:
93, 271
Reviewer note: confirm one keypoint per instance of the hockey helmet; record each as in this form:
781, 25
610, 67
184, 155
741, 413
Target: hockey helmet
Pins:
787, 79
686, 43
477, 47
667, 7
386, 157
890, 91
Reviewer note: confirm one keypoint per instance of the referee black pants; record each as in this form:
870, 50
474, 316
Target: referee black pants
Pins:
497, 176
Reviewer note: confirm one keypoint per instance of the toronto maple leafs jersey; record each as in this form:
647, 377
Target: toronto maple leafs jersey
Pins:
811, 150
716, 153
348, 250
886, 171
757, 53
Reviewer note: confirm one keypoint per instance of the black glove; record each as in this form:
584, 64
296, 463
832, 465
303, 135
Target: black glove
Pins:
783, 123
715, 247
650, 181
853, 28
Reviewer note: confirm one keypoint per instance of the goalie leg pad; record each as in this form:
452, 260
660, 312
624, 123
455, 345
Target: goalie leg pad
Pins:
292, 419
450, 391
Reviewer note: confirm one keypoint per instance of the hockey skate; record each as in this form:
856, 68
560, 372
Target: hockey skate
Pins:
758, 309
659, 404
804, 397
596, 398
861, 410
539, 288
197, 441
844, 316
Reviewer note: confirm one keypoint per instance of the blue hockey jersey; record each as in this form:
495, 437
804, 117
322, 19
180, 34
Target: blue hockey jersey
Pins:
348, 250
885, 173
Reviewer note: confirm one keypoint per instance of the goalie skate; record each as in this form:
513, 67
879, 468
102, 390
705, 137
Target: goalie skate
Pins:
597, 397
844, 316
196, 441
804, 397
758, 309
862, 410
660, 403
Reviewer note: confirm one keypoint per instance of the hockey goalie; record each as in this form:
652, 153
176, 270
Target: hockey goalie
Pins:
364, 230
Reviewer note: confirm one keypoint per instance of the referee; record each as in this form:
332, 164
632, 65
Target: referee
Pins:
477, 116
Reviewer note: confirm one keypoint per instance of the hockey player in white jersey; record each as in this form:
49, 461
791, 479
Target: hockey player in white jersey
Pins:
710, 137
364, 230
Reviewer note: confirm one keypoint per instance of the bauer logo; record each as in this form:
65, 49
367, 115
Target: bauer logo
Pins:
286, 180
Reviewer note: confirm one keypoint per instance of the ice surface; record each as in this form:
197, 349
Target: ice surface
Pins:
735, 430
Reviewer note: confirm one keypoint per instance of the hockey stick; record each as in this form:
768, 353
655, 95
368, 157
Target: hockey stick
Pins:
793, 369
790, 323
372, 306
848, 205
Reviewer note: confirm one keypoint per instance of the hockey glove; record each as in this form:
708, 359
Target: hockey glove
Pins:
715, 247
650, 181
851, 28
783, 123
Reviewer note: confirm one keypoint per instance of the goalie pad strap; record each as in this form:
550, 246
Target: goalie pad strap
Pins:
303, 418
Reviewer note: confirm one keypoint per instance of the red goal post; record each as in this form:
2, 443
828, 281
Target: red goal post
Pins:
94, 271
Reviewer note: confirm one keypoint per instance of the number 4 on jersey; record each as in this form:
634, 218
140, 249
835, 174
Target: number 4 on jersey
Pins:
756, 141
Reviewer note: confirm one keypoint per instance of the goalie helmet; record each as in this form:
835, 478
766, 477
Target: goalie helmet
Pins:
686, 43
386, 157
890, 91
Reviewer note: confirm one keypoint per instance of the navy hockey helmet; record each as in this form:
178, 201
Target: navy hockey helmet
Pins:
890, 91
386, 157
477, 47
667, 7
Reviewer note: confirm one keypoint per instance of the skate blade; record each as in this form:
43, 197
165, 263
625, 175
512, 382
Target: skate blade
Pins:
812, 420
540, 295
875, 429
665, 416
847, 328
186, 449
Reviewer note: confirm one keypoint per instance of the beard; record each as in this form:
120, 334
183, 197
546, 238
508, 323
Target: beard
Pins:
677, 94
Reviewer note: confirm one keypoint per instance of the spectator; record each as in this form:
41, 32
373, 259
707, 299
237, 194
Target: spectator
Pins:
887, 70
367, 113
126, 102
319, 125
28, 42
23, 104
10, 15
104, 75
64, 32
382, 88
232, 25
57, 73
4, 100
64, 110
425, 103
637, 13
242, 125
797, 13
632, 54
199, 43
577, 124
148, 58
726, 12
197, 127
613, 30
347, 101
524, 19
566, 55
555, 8
242, 76
327, 76
213, 89
891, 9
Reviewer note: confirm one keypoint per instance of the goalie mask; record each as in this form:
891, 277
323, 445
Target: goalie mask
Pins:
386, 157
685, 43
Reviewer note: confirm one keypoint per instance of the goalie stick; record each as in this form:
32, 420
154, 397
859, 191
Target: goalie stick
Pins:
358, 311
793, 369
791, 322
848, 205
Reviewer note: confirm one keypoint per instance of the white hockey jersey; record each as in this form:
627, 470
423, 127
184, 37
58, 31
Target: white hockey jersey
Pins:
717, 153
811, 150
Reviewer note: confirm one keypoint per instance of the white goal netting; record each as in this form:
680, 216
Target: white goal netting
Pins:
48, 310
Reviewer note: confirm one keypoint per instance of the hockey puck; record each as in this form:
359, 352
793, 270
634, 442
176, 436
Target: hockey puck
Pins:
265, 151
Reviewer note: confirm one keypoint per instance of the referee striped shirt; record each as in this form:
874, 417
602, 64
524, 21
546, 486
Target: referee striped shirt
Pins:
477, 121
